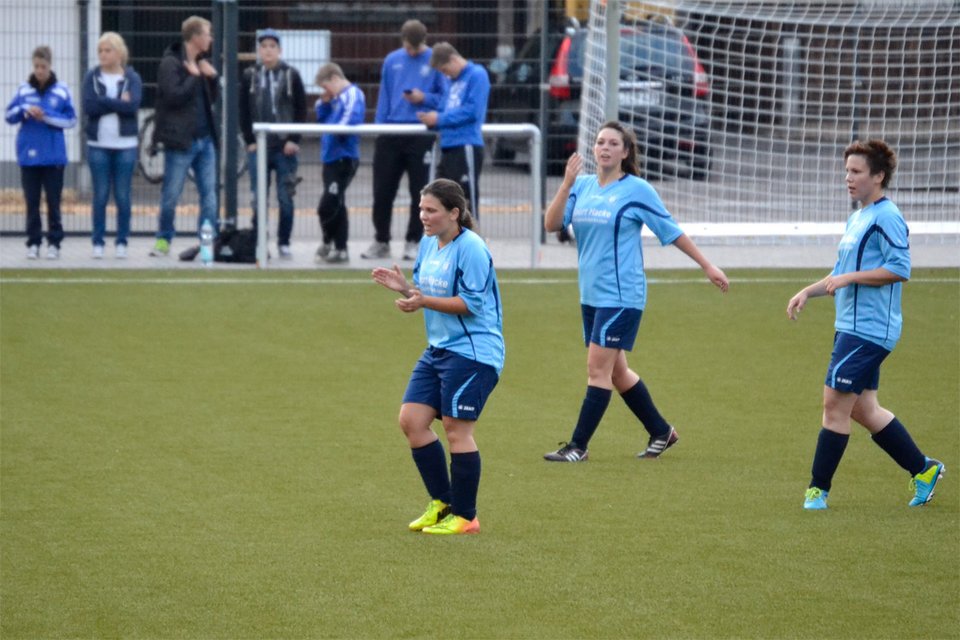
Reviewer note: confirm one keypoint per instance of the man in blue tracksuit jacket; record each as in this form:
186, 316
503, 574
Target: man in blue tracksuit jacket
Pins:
408, 84
43, 108
463, 110
341, 102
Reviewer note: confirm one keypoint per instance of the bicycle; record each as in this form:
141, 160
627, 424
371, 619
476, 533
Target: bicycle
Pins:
150, 155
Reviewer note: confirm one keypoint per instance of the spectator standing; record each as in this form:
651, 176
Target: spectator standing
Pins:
272, 91
111, 97
341, 102
463, 110
43, 108
407, 84
185, 126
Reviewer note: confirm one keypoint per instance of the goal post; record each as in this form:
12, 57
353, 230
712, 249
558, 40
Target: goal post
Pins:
743, 109
529, 132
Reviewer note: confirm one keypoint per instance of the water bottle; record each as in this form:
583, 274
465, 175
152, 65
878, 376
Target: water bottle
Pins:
206, 243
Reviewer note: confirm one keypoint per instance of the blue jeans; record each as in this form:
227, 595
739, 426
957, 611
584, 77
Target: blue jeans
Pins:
111, 168
202, 157
285, 169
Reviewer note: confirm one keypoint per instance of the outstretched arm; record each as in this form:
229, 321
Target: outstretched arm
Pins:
714, 274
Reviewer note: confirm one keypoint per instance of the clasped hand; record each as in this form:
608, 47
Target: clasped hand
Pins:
394, 280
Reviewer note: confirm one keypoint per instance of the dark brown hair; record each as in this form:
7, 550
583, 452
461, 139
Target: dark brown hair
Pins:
413, 32
631, 163
43, 52
879, 156
451, 196
443, 52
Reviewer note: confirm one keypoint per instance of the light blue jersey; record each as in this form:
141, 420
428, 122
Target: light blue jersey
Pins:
462, 268
876, 236
607, 222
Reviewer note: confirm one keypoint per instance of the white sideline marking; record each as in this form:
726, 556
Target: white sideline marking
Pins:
356, 281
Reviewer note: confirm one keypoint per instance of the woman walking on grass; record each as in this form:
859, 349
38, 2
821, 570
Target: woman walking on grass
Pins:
608, 211
455, 284
866, 283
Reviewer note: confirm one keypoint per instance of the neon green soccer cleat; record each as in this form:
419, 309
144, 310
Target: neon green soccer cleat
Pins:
815, 499
454, 525
925, 482
436, 511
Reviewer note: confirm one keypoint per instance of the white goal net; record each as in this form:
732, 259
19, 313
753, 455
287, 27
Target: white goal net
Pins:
743, 109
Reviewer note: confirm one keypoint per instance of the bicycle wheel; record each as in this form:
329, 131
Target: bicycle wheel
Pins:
241, 156
150, 157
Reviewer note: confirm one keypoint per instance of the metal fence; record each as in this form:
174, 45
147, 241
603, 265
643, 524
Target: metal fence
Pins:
356, 34
507, 217
502, 35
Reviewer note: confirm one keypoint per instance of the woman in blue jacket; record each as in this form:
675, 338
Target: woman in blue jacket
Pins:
111, 98
43, 108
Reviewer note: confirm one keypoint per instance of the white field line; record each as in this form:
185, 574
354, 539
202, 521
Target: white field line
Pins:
359, 281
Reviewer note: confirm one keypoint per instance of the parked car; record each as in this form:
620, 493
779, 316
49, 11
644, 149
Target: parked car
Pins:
663, 93
515, 98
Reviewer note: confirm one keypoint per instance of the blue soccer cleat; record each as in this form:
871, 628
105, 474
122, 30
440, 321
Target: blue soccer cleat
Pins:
815, 499
925, 482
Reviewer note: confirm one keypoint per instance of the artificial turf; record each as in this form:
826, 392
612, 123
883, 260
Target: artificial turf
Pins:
215, 455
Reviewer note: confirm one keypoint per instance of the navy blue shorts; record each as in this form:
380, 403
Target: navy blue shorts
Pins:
611, 327
854, 364
454, 386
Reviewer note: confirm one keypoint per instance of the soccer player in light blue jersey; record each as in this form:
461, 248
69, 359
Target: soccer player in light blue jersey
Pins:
608, 211
872, 265
455, 284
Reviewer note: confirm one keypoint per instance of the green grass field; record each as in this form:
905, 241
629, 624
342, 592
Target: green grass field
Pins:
215, 455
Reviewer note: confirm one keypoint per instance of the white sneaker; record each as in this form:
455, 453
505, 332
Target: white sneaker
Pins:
377, 250
323, 251
284, 251
98, 252
338, 256
33, 252
53, 253
121, 252
410, 250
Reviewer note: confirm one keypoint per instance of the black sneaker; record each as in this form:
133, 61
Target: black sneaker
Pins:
566, 453
657, 445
